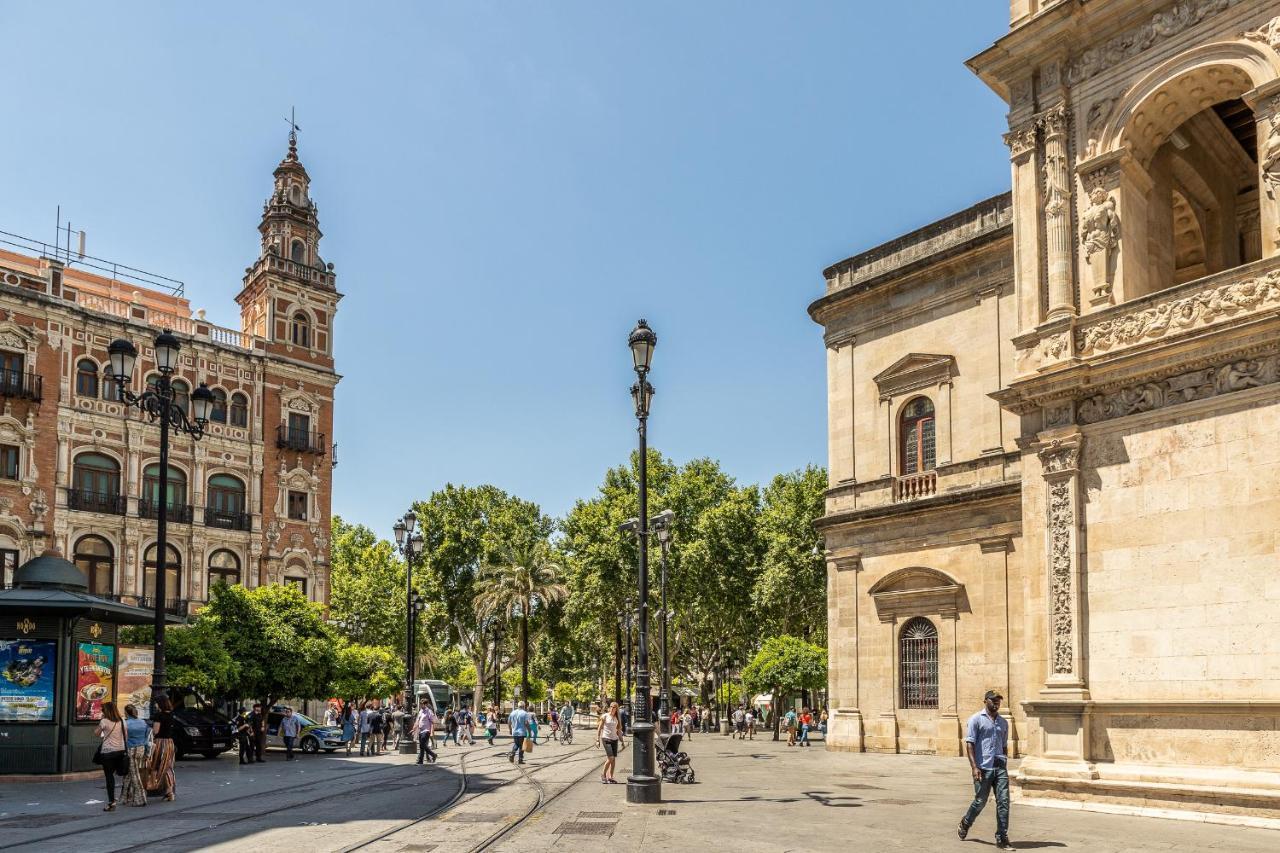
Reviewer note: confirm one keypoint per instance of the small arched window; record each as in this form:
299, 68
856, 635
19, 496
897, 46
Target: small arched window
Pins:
300, 330
916, 437
918, 664
239, 410
182, 395
86, 378
298, 251
218, 411
175, 488
94, 556
224, 567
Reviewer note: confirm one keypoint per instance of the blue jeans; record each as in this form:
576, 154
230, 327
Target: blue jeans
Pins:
288, 747
517, 747
424, 747
804, 733
997, 777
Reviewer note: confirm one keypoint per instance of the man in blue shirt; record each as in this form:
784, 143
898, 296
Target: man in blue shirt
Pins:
519, 724
986, 742
290, 726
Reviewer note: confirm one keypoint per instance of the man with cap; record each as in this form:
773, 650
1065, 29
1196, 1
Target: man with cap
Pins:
986, 742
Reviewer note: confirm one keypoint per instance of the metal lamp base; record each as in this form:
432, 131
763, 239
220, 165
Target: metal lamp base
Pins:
408, 748
643, 785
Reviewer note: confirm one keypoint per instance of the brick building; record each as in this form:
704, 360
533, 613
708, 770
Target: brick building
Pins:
79, 469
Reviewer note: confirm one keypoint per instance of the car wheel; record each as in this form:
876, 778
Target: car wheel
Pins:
211, 753
310, 745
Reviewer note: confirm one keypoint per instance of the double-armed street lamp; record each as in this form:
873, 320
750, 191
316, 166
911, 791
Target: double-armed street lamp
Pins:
409, 542
353, 626
660, 526
643, 785
158, 404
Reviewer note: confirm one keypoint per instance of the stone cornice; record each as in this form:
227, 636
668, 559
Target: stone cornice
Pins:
923, 505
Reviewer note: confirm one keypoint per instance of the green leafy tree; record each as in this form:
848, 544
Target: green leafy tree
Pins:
465, 528
524, 581
194, 656
791, 592
783, 666
366, 672
512, 682
565, 691
368, 583
277, 638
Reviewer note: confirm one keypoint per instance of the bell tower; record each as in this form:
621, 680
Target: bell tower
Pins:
289, 296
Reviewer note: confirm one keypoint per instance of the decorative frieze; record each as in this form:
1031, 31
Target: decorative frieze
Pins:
1268, 34
1236, 375
1189, 312
1164, 24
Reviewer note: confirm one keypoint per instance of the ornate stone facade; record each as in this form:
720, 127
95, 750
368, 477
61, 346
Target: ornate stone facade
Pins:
78, 470
1103, 545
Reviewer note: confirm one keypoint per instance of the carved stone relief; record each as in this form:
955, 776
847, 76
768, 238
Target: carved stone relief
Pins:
1094, 121
1236, 375
1021, 140
1100, 236
1060, 520
1268, 34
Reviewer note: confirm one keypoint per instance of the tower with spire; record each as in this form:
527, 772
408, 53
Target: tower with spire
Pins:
290, 296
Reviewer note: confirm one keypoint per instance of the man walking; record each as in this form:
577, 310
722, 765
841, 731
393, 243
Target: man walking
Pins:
424, 730
518, 722
366, 714
986, 742
290, 727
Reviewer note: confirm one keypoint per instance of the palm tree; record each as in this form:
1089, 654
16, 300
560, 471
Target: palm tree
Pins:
525, 579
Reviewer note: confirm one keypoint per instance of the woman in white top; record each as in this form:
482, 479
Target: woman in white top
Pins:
111, 730
609, 734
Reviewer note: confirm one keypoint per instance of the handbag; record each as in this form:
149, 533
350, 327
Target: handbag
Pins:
97, 753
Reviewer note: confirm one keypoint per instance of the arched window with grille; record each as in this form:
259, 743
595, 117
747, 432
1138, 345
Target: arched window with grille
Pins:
916, 439
94, 556
224, 567
86, 378
218, 411
918, 664
239, 410
95, 484
175, 492
300, 330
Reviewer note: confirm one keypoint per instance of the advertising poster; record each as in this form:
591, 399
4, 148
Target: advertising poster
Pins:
133, 678
26, 685
94, 662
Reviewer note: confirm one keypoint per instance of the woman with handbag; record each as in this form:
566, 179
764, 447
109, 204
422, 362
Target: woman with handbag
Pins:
160, 768
136, 733
110, 753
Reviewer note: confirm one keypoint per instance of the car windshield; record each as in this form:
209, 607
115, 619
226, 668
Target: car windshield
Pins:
304, 719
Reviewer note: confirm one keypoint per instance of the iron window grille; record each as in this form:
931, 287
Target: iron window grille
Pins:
918, 668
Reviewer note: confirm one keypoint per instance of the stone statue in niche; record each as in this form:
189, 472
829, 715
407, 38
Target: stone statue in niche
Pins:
1100, 228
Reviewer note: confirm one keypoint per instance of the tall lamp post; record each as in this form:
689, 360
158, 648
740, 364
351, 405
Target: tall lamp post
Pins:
661, 524
410, 544
497, 665
627, 619
643, 785
157, 402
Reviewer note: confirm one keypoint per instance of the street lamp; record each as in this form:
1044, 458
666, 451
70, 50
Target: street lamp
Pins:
157, 402
409, 542
643, 785
497, 665
661, 524
352, 626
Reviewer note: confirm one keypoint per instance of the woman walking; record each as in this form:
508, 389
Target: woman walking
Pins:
136, 733
491, 724
160, 768
111, 752
609, 735
348, 726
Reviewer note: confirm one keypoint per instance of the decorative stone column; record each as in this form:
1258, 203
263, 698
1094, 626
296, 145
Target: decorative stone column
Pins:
1021, 140
1060, 461
1057, 211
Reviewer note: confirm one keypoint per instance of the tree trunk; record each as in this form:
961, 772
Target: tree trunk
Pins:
777, 715
524, 657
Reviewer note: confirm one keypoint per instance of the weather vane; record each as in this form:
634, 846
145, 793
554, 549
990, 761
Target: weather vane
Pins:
293, 128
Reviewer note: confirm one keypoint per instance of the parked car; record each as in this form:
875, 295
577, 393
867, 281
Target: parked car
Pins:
200, 727
313, 737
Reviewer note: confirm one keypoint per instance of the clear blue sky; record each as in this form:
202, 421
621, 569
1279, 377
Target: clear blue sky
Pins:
505, 188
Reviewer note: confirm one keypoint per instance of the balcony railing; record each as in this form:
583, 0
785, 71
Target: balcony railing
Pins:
176, 606
87, 501
301, 440
26, 386
227, 520
178, 513
913, 486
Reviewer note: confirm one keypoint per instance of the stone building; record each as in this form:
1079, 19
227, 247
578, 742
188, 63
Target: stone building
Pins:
248, 503
1052, 424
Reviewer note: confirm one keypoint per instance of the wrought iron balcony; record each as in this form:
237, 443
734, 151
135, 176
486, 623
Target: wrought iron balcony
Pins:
26, 386
913, 486
176, 606
88, 501
178, 513
227, 520
301, 440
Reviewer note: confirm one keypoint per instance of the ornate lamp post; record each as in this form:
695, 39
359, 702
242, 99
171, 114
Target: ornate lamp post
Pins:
352, 626
643, 785
157, 402
410, 544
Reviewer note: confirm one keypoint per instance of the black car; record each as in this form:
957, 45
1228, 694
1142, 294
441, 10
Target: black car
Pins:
198, 726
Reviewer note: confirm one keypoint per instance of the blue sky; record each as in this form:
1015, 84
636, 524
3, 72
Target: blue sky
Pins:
504, 189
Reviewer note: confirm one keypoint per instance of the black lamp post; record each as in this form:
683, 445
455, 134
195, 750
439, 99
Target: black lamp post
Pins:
627, 613
643, 785
497, 665
157, 402
661, 524
410, 544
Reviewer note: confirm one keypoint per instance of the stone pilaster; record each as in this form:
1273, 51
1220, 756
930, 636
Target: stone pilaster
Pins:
1021, 140
1060, 461
1057, 211
845, 731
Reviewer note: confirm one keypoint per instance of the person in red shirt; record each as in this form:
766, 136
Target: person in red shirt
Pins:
806, 721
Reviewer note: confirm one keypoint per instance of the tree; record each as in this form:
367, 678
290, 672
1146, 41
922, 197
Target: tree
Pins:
277, 638
512, 683
785, 665
366, 672
194, 656
464, 528
791, 591
565, 691
367, 583
525, 580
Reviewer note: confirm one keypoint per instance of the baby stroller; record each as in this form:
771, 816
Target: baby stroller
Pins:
672, 763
